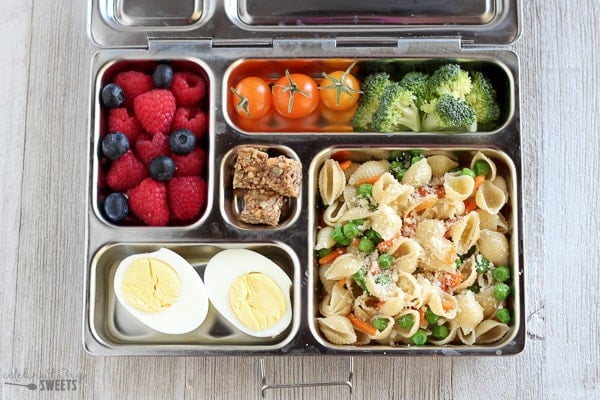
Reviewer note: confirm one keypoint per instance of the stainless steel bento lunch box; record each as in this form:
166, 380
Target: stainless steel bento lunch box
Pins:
224, 41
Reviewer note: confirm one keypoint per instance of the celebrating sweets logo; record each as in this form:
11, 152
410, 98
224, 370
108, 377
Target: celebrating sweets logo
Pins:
51, 379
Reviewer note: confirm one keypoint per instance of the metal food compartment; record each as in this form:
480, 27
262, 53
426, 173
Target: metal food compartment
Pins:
505, 169
323, 120
116, 330
223, 40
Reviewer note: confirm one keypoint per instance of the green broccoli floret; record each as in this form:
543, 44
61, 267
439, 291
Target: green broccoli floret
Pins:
447, 113
450, 80
397, 110
368, 104
482, 98
418, 83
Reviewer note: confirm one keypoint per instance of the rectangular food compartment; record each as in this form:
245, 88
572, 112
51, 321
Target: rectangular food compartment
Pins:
328, 120
311, 12
275, 211
143, 145
136, 14
371, 306
116, 329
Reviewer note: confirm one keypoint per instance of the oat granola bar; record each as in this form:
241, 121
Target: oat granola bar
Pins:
261, 207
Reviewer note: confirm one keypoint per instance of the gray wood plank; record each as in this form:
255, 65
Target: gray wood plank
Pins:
15, 23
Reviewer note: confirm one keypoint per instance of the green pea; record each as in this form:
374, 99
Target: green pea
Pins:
439, 332
468, 171
431, 317
350, 230
419, 338
366, 244
406, 321
385, 260
337, 234
458, 262
380, 323
344, 242
359, 278
503, 315
373, 235
365, 190
481, 168
396, 166
359, 222
501, 291
382, 279
323, 252
482, 264
501, 273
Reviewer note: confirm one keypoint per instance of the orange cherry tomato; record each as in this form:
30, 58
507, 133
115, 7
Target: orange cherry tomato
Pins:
251, 97
340, 90
295, 95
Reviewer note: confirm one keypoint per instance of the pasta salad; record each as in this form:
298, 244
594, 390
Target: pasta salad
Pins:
412, 248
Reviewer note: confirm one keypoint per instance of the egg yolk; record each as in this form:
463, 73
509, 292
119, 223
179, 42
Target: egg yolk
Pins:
257, 301
150, 285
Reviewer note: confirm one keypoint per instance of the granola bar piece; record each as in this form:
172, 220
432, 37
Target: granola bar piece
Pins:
249, 168
261, 207
284, 175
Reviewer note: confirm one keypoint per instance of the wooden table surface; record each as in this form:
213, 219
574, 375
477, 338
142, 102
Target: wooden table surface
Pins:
45, 59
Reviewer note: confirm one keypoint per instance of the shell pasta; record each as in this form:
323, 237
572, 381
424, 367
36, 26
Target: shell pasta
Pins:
413, 248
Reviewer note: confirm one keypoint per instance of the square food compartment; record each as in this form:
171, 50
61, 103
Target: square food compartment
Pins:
112, 328
328, 119
190, 169
136, 14
450, 243
261, 187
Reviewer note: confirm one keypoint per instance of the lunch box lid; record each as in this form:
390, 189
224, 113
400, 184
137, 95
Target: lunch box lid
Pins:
135, 23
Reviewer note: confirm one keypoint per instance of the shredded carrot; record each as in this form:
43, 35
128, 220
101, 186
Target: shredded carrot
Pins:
342, 282
332, 256
479, 179
447, 305
379, 304
362, 325
422, 318
370, 180
355, 242
470, 205
440, 191
344, 165
385, 245
341, 155
425, 204
451, 280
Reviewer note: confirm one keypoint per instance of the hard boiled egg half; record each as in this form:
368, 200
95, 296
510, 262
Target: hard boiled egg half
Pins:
162, 290
250, 291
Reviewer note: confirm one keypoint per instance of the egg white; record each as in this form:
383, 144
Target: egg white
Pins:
225, 267
189, 310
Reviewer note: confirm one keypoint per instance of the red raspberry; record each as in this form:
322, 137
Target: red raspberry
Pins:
192, 118
148, 201
188, 88
191, 164
126, 172
119, 120
186, 196
146, 150
155, 110
133, 84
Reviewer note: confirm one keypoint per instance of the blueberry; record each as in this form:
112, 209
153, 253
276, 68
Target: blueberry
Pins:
162, 168
182, 141
116, 207
162, 76
114, 145
112, 96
